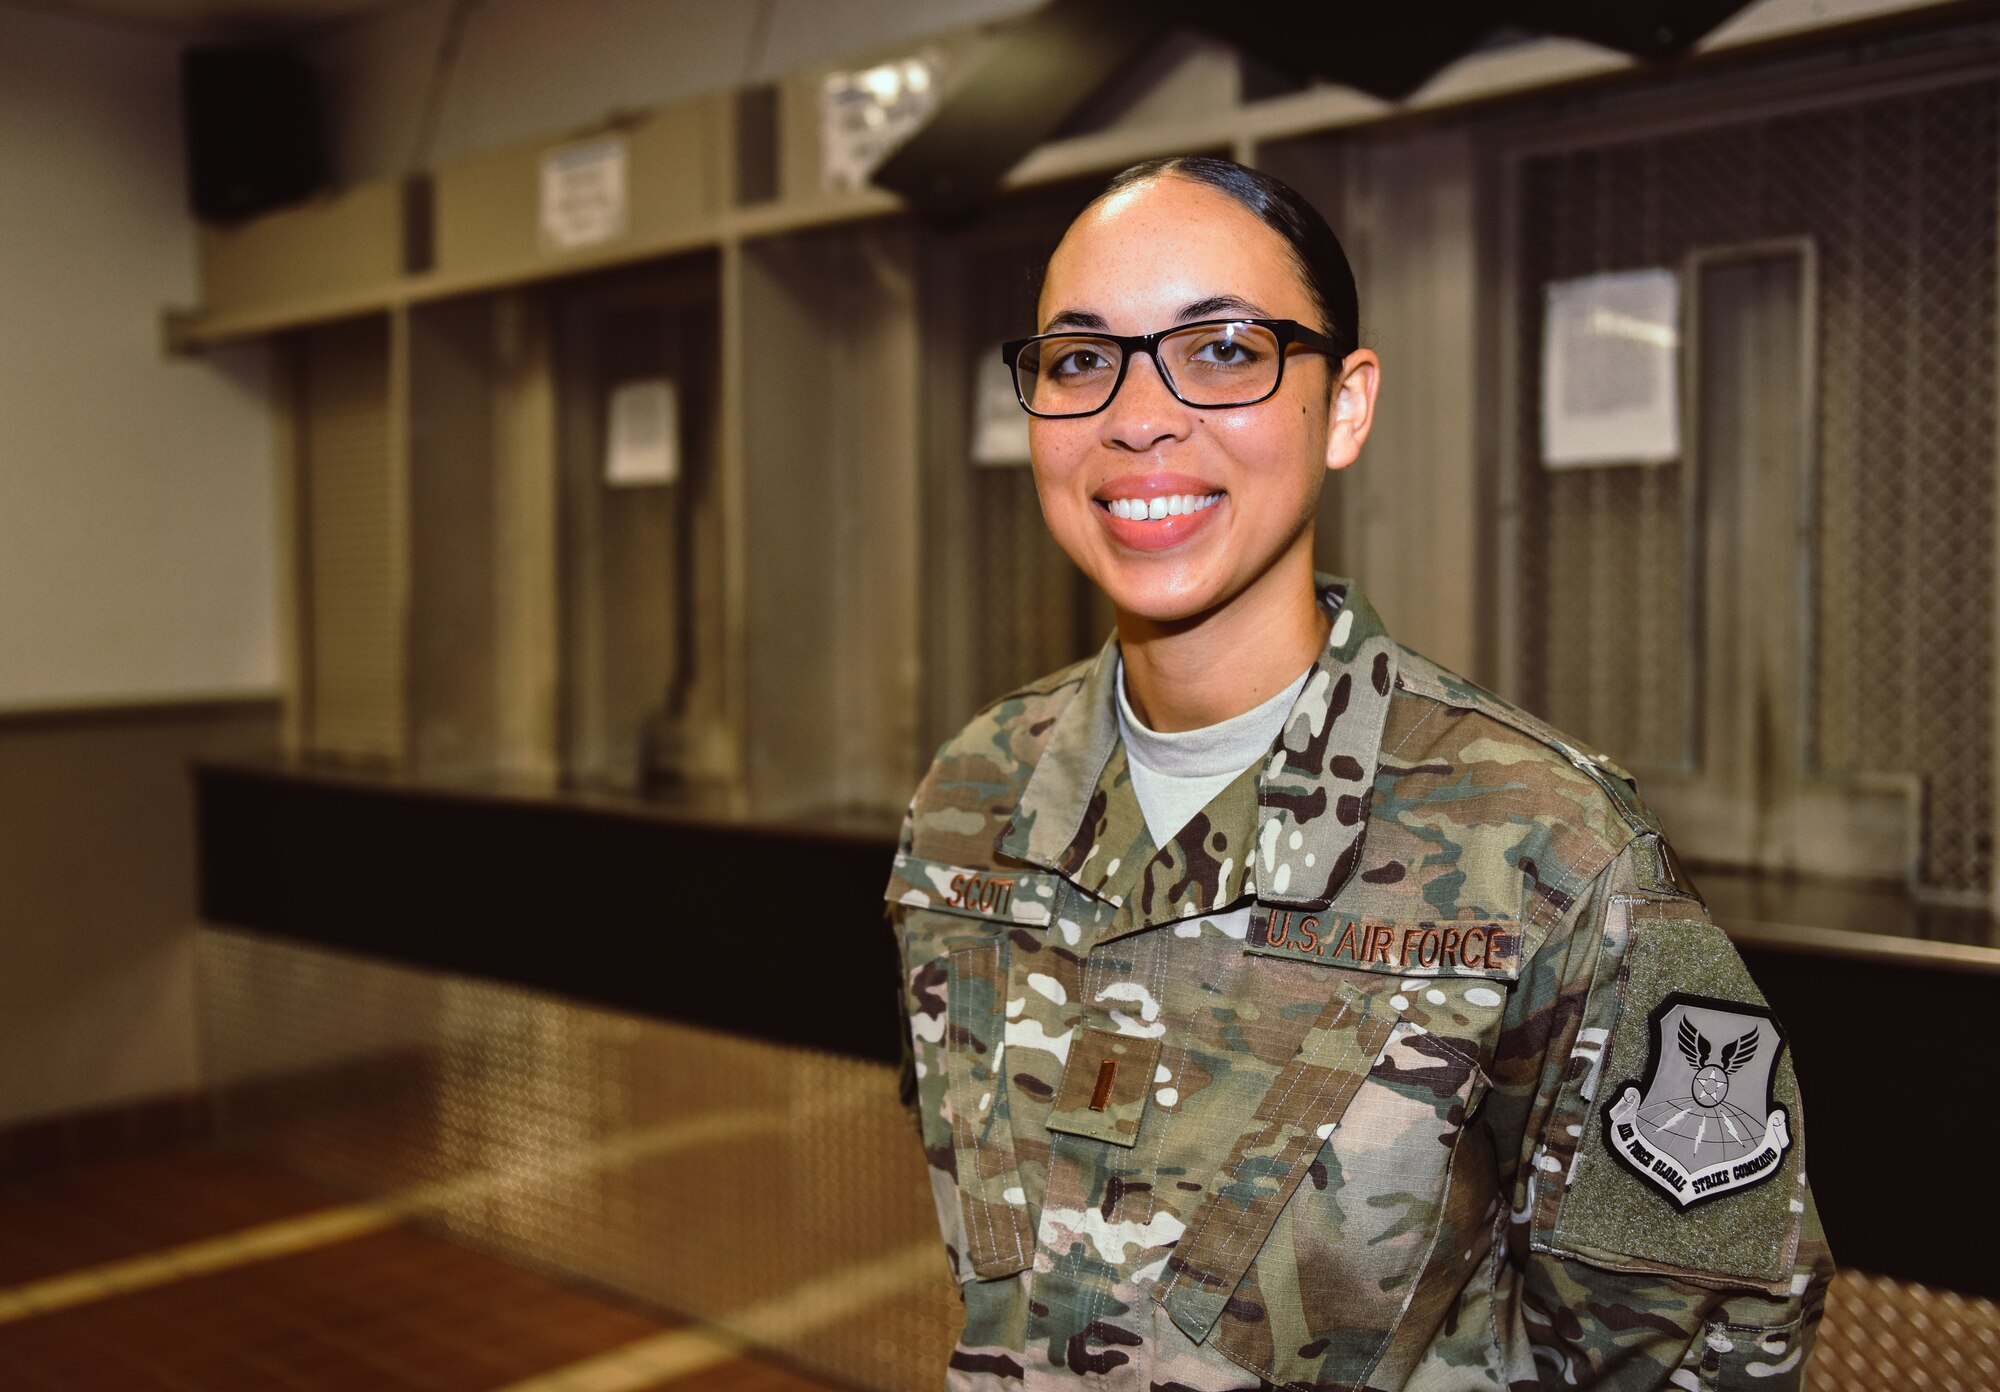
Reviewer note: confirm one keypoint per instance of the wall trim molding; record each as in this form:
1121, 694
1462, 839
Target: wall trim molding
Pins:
115, 710
36, 1145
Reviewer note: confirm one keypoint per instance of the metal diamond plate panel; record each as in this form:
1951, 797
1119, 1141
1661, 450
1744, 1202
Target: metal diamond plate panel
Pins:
776, 1193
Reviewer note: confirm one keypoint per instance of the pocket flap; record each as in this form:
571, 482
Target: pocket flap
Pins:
1006, 896
999, 1240
1298, 1112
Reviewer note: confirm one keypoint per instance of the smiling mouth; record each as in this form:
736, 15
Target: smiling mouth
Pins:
1155, 509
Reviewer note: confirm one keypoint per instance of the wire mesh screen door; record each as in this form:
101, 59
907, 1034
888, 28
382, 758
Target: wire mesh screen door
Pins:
1630, 603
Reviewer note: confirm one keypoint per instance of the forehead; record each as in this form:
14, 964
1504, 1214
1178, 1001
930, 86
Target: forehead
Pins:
1138, 256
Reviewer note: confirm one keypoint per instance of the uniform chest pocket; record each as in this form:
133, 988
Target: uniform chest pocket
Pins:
958, 1024
1307, 1251
998, 1238
955, 926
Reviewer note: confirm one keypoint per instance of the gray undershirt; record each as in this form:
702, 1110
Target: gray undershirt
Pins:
1175, 775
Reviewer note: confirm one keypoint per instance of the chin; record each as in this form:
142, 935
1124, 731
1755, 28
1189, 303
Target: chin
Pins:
1156, 592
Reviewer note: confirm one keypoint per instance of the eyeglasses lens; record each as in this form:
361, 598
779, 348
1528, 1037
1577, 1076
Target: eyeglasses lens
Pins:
1211, 365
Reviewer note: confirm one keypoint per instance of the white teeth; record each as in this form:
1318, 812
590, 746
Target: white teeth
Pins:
1173, 505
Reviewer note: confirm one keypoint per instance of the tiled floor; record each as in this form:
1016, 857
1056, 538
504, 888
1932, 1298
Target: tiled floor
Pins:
200, 1271
114, 1209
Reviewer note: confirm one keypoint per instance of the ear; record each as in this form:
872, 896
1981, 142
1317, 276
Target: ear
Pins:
1353, 407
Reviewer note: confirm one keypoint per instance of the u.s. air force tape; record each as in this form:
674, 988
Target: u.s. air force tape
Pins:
1455, 947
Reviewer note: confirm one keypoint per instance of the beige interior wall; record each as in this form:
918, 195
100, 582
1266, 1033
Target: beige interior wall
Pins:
137, 562
136, 543
97, 899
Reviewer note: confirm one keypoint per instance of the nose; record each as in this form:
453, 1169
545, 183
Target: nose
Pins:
1144, 414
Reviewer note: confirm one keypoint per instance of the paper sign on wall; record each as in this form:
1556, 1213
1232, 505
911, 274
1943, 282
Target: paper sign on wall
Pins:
642, 437
865, 114
584, 194
1611, 370
999, 425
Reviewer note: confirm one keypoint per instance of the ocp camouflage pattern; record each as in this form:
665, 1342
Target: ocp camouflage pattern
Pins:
1304, 1098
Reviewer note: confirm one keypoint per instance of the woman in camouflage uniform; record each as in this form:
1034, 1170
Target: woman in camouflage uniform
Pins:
1283, 1008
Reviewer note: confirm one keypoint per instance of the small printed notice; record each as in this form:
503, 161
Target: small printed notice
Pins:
999, 425
642, 437
584, 194
864, 114
1611, 370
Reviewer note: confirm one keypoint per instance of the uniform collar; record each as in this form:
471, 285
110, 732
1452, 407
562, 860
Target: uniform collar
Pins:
1312, 789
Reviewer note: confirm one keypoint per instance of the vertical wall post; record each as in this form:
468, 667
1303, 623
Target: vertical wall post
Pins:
289, 522
527, 588
730, 461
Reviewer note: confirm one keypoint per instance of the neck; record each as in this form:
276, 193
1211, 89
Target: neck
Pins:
1195, 672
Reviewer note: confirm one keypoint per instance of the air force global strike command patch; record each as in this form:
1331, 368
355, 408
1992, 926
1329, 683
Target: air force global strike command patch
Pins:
1703, 1122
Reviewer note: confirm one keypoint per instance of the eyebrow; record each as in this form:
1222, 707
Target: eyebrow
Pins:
1077, 319
1209, 308
1221, 304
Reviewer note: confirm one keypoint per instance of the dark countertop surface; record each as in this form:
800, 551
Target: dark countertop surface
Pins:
692, 804
1783, 912
676, 907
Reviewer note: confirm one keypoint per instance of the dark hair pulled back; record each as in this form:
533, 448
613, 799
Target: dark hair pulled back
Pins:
1316, 252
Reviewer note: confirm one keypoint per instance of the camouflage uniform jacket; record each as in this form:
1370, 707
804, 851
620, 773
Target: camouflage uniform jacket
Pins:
1319, 1094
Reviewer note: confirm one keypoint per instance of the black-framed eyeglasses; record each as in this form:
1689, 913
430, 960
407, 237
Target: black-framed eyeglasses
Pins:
1212, 364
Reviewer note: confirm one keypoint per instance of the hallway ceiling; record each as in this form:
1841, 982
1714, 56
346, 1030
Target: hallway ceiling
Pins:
254, 16
1052, 65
